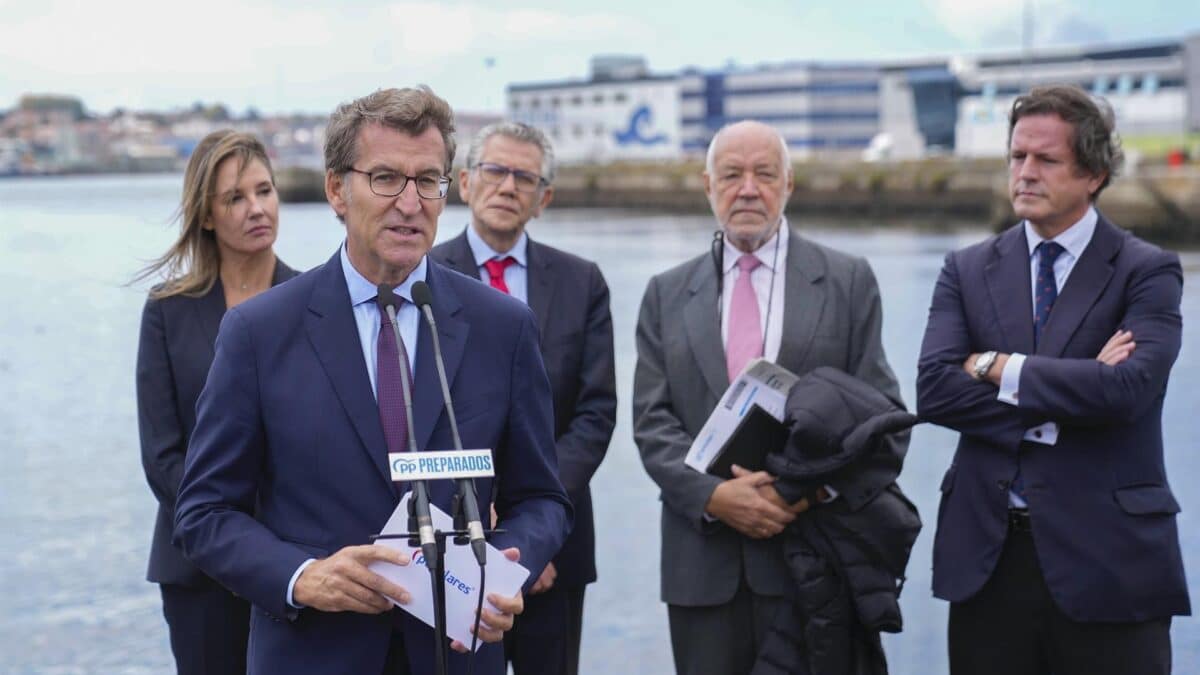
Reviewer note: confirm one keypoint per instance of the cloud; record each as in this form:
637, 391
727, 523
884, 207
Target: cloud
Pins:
986, 24
427, 30
276, 54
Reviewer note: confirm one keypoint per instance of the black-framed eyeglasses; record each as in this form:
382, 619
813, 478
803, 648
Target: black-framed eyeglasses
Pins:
388, 183
496, 173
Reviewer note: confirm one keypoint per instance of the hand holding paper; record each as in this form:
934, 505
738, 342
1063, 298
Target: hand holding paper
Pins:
343, 582
502, 594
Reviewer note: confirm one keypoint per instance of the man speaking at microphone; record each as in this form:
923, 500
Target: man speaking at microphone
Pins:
287, 474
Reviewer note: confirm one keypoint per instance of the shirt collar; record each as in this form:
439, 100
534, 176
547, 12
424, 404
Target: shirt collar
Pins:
1074, 239
362, 290
765, 253
484, 253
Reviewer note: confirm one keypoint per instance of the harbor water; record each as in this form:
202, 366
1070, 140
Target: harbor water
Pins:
76, 514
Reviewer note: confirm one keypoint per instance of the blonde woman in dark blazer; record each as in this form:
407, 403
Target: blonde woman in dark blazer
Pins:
229, 217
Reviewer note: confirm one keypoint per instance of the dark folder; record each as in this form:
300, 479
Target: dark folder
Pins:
756, 435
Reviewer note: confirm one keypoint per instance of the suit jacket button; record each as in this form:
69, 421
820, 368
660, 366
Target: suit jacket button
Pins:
1037, 433
1003, 485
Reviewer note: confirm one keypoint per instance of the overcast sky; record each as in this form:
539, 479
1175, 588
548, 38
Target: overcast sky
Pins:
308, 55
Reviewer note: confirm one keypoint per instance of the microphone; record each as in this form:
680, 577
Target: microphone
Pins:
388, 302
423, 299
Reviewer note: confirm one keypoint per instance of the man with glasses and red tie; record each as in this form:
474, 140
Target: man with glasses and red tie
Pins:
507, 183
287, 473
1048, 349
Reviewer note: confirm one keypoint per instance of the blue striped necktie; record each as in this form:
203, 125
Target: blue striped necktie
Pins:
1045, 291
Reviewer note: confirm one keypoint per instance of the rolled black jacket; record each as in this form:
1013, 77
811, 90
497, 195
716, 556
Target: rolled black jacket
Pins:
847, 557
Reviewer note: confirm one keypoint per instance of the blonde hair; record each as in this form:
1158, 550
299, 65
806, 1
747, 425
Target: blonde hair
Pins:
193, 263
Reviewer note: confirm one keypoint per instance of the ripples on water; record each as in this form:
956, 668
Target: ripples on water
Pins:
77, 515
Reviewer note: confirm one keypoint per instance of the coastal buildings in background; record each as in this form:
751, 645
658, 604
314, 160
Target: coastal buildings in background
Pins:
51, 134
899, 110
623, 112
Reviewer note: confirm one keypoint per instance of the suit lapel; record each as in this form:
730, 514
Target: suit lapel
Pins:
1008, 285
539, 285
703, 330
453, 331
459, 257
209, 312
334, 335
803, 301
1087, 281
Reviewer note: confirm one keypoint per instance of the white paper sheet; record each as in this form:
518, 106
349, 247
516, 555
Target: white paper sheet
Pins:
504, 577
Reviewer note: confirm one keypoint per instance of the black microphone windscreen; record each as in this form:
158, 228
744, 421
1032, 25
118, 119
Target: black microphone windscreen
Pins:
422, 296
387, 297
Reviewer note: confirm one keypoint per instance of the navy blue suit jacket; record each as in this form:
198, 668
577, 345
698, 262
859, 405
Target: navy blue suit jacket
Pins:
1103, 514
288, 459
175, 350
570, 300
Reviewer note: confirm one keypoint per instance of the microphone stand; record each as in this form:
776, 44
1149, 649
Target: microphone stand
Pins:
465, 507
420, 522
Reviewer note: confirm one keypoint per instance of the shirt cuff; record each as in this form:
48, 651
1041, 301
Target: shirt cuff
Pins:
1010, 379
1046, 434
292, 584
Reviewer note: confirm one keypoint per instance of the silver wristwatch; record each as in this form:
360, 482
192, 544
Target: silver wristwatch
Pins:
983, 363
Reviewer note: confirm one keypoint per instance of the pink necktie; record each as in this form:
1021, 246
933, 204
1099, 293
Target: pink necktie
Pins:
744, 340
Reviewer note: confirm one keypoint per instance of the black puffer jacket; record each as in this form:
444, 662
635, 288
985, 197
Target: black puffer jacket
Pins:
846, 557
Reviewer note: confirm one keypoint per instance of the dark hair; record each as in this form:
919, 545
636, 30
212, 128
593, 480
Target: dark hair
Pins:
193, 263
1094, 141
411, 110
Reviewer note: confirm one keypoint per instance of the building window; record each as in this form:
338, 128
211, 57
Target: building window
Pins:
577, 100
578, 131
515, 104
1125, 85
599, 130
620, 97
598, 99
555, 101
1100, 86
1150, 84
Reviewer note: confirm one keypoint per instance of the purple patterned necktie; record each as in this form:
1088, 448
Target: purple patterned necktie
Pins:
744, 339
388, 386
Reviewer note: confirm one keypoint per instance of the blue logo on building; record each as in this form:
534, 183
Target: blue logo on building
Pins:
639, 123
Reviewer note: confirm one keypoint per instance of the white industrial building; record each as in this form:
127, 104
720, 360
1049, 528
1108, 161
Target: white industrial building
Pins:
621, 113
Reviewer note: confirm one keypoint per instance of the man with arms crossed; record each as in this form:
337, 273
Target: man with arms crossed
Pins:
507, 182
1048, 349
795, 302
287, 474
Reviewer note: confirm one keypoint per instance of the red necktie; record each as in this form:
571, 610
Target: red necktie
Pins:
495, 269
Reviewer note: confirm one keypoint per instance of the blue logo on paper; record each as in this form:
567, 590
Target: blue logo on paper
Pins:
639, 123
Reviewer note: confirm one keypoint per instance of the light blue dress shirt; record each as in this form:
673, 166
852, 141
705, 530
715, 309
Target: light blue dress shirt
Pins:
368, 322
516, 277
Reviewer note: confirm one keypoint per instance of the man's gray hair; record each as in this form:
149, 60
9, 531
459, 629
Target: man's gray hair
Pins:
784, 154
518, 132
